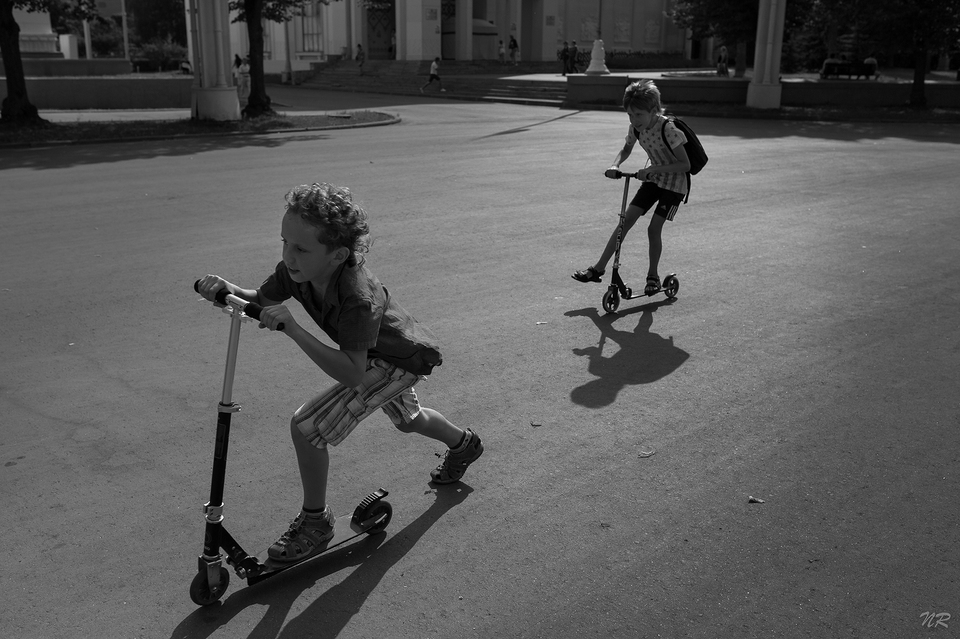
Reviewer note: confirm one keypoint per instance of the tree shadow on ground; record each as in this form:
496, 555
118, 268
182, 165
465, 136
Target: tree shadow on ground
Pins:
643, 356
326, 616
749, 128
61, 156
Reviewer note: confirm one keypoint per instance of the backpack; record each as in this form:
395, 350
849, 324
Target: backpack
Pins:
695, 153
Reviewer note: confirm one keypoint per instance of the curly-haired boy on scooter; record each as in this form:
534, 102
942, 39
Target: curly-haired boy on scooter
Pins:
383, 351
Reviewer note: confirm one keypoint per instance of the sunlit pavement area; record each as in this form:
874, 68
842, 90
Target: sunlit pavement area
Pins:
773, 454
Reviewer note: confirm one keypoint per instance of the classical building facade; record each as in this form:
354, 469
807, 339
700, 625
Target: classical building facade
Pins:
462, 30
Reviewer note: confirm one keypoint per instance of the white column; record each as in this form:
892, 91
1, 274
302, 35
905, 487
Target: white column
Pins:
764, 90
213, 96
464, 23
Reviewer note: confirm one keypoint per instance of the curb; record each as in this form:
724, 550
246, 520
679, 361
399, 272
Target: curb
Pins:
392, 119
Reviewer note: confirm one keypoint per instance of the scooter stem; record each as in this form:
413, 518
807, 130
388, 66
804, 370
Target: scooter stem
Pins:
623, 212
233, 344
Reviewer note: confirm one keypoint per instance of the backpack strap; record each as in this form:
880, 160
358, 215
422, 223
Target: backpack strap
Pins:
663, 136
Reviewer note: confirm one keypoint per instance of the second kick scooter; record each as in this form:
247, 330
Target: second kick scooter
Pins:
617, 289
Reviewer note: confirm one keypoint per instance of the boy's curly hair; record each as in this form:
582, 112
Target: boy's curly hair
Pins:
643, 95
332, 210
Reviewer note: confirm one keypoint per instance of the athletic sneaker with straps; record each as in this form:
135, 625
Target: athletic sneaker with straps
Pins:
456, 460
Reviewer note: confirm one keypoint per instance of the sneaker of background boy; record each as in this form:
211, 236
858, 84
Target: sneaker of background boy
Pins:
455, 461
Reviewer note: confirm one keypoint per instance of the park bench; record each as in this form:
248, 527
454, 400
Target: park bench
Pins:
850, 69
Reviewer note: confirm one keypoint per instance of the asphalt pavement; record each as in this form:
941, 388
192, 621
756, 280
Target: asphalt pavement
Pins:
772, 454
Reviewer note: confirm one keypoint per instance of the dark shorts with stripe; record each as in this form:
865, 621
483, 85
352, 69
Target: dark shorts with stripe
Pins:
649, 194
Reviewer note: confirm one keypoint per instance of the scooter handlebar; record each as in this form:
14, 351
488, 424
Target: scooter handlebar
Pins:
251, 309
614, 174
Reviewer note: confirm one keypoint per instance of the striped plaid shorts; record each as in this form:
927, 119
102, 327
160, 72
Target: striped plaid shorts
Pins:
332, 415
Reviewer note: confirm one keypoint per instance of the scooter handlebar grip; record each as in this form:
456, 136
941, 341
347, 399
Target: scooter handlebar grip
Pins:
221, 296
253, 310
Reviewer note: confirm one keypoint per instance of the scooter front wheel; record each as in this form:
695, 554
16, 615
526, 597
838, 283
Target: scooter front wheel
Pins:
611, 301
200, 591
670, 286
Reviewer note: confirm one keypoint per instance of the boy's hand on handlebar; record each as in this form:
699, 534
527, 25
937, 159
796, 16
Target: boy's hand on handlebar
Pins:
614, 173
273, 317
210, 285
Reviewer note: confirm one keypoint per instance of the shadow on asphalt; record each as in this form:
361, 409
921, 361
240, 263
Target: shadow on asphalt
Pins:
643, 356
329, 613
760, 128
526, 128
70, 155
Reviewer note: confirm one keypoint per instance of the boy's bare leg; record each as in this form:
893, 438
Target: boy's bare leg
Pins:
630, 218
314, 465
432, 424
656, 242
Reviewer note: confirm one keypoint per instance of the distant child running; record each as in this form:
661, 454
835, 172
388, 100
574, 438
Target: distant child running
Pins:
361, 57
664, 181
382, 351
434, 75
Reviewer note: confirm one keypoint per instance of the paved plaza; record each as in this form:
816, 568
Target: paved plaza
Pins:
810, 362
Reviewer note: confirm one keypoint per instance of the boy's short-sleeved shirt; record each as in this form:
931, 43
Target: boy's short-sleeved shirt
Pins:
357, 313
659, 154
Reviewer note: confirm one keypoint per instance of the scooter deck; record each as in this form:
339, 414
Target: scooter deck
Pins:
344, 531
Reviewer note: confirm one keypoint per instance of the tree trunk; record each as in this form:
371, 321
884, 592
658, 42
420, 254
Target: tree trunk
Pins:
16, 109
741, 66
918, 96
259, 102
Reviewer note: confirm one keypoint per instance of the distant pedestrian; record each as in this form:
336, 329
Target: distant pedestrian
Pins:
502, 53
243, 72
434, 75
723, 60
565, 58
237, 61
573, 58
361, 57
514, 51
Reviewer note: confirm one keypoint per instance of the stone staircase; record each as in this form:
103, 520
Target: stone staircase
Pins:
474, 81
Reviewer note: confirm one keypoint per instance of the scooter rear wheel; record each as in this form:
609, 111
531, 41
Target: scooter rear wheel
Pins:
200, 591
377, 510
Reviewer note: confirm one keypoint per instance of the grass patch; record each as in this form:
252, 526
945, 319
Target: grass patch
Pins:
116, 130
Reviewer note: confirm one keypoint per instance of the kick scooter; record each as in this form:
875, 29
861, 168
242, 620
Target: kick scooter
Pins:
370, 517
617, 289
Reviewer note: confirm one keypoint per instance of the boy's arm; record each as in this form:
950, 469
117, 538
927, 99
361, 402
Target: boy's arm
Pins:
621, 158
681, 165
211, 284
347, 367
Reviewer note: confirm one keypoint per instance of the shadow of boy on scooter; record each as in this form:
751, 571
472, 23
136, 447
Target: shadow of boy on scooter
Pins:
643, 357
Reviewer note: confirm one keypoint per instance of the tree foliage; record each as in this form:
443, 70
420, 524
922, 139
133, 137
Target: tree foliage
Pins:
909, 29
728, 20
159, 20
